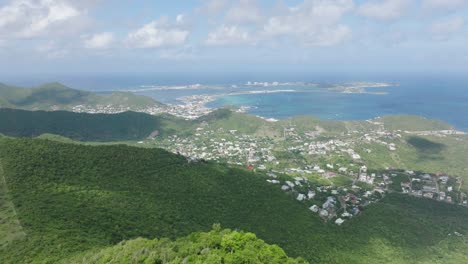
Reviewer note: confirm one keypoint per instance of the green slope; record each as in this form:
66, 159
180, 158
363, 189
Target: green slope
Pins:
55, 96
412, 123
72, 198
87, 127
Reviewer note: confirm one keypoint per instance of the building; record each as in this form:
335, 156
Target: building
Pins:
339, 221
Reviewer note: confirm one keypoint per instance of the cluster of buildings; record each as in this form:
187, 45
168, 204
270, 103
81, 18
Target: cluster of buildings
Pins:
329, 202
295, 160
114, 109
440, 187
190, 107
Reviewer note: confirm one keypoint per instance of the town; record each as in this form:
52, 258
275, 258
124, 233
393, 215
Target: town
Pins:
328, 175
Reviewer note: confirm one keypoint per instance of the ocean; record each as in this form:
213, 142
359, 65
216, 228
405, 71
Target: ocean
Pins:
440, 96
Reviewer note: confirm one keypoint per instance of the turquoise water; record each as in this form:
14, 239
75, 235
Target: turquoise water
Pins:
446, 101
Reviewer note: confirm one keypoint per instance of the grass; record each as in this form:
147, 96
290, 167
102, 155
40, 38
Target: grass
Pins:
412, 123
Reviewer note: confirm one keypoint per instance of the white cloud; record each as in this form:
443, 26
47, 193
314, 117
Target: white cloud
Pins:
180, 19
228, 35
314, 22
245, 12
384, 9
443, 29
444, 5
99, 41
29, 18
158, 34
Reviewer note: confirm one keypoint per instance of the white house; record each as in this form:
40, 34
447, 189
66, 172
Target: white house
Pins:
339, 221
314, 208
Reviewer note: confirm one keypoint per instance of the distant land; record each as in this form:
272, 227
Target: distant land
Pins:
55, 96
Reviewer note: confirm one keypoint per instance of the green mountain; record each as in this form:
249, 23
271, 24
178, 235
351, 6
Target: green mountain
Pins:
55, 96
66, 200
88, 127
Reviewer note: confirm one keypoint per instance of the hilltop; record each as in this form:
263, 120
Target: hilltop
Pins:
56, 96
71, 199
216, 246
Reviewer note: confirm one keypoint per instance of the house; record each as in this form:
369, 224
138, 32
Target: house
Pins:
285, 187
299, 179
339, 221
314, 208
444, 179
323, 213
427, 177
273, 181
300, 197
290, 184
346, 214
363, 169
355, 211
311, 195
442, 196
272, 175
329, 203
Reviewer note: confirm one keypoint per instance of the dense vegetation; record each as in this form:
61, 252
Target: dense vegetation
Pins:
216, 246
87, 127
71, 198
53, 96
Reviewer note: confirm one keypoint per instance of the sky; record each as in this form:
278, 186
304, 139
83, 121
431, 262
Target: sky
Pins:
125, 36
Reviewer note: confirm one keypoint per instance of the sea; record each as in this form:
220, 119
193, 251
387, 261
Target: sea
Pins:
439, 96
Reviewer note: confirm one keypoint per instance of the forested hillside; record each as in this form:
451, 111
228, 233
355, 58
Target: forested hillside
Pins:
88, 127
71, 198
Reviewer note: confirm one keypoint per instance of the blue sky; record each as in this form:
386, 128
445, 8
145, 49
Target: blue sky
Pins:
64, 36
